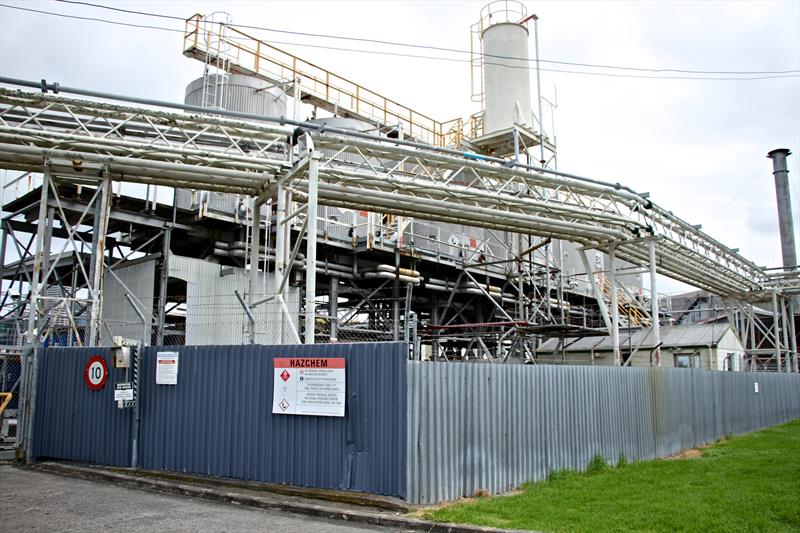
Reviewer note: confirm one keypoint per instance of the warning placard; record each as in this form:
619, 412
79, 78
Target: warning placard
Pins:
309, 386
167, 368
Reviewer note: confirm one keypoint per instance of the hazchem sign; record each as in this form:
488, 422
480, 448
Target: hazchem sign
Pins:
167, 368
95, 373
309, 386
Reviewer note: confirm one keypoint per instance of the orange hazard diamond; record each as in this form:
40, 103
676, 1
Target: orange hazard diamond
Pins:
285, 375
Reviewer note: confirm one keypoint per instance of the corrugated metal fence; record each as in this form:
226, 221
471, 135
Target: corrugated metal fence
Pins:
218, 419
426, 432
493, 427
73, 422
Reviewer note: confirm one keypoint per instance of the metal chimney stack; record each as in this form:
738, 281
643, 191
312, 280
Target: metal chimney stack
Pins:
785, 222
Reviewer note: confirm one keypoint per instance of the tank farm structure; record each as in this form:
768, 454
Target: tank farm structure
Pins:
229, 219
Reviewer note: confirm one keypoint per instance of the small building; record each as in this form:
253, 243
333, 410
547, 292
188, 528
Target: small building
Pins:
710, 347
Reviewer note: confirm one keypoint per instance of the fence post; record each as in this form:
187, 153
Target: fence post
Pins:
250, 317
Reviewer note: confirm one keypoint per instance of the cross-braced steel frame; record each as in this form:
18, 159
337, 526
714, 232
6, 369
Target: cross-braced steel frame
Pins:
69, 139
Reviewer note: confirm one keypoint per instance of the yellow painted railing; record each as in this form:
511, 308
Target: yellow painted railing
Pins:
5, 399
625, 305
250, 55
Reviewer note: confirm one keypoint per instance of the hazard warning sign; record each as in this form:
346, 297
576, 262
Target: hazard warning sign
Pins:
309, 386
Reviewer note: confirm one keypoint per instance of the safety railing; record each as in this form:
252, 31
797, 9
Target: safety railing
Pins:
257, 57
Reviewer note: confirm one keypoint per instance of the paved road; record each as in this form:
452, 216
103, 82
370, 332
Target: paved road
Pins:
35, 501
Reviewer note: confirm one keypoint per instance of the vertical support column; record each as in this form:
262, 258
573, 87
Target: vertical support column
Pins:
612, 278
333, 309
656, 325
775, 328
785, 331
255, 251
34, 311
516, 143
163, 280
311, 247
548, 288
396, 297
793, 335
30, 364
435, 322
542, 160
280, 252
98, 259
752, 334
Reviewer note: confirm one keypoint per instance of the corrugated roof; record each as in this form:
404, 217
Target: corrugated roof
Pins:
677, 336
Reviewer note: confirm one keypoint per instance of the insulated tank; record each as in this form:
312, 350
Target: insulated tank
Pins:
506, 69
244, 94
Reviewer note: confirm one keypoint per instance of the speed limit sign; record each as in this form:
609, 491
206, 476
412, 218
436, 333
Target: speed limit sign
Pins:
96, 373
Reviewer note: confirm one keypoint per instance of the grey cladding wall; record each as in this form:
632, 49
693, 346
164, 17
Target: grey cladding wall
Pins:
218, 420
493, 427
73, 422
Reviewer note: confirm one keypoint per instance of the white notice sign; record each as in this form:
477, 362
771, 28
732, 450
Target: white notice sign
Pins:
167, 368
123, 392
309, 386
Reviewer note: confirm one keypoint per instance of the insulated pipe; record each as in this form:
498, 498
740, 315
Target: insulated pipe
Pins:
481, 214
783, 196
123, 146
443, 215
391, 183
56, 88
388, 275
456, 160
184, 172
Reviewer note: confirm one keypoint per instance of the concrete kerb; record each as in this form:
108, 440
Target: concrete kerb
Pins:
224, 495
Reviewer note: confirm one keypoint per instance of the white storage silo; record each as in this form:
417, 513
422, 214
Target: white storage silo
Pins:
506, 69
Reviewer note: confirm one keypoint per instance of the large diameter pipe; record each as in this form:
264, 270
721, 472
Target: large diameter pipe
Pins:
785, 219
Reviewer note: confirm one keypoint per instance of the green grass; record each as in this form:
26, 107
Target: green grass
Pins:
746, 483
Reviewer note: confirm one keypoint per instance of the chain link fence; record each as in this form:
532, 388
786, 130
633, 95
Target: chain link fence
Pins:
10, 379
222, 319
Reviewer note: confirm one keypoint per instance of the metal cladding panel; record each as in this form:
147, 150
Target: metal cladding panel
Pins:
483, 427
214, 315
218, 419
74, 423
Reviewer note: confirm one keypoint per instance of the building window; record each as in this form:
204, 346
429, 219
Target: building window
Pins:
727, 364
687, 360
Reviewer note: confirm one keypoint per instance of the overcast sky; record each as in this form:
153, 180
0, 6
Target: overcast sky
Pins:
698, 146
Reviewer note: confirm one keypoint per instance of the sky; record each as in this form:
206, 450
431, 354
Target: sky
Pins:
697, 146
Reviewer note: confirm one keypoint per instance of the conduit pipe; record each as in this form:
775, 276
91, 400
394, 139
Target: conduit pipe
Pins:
55, 87
394, 182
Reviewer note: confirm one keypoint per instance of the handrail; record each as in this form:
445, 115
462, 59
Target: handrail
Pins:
257, 57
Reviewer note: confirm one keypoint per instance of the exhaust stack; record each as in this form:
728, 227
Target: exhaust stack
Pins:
785, 222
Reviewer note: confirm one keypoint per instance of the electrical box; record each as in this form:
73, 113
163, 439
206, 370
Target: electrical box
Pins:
122, 356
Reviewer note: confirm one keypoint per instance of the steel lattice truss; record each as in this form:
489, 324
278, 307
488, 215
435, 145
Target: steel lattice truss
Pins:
155, 146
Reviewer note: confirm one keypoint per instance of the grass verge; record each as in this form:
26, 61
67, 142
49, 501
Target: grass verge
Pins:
745, 483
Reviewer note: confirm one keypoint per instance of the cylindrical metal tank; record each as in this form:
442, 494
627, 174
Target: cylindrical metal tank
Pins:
244, 94
506, 69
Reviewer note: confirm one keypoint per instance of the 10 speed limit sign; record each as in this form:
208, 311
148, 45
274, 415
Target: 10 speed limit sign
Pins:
96, 373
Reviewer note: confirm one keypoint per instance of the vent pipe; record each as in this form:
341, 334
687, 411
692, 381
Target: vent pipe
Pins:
785, 222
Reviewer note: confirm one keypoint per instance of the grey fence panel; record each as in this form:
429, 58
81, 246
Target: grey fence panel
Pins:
482, 427
73, 422
218, 419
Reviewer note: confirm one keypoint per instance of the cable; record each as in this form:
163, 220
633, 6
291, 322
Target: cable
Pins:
437, 48
376, 52
738, 194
